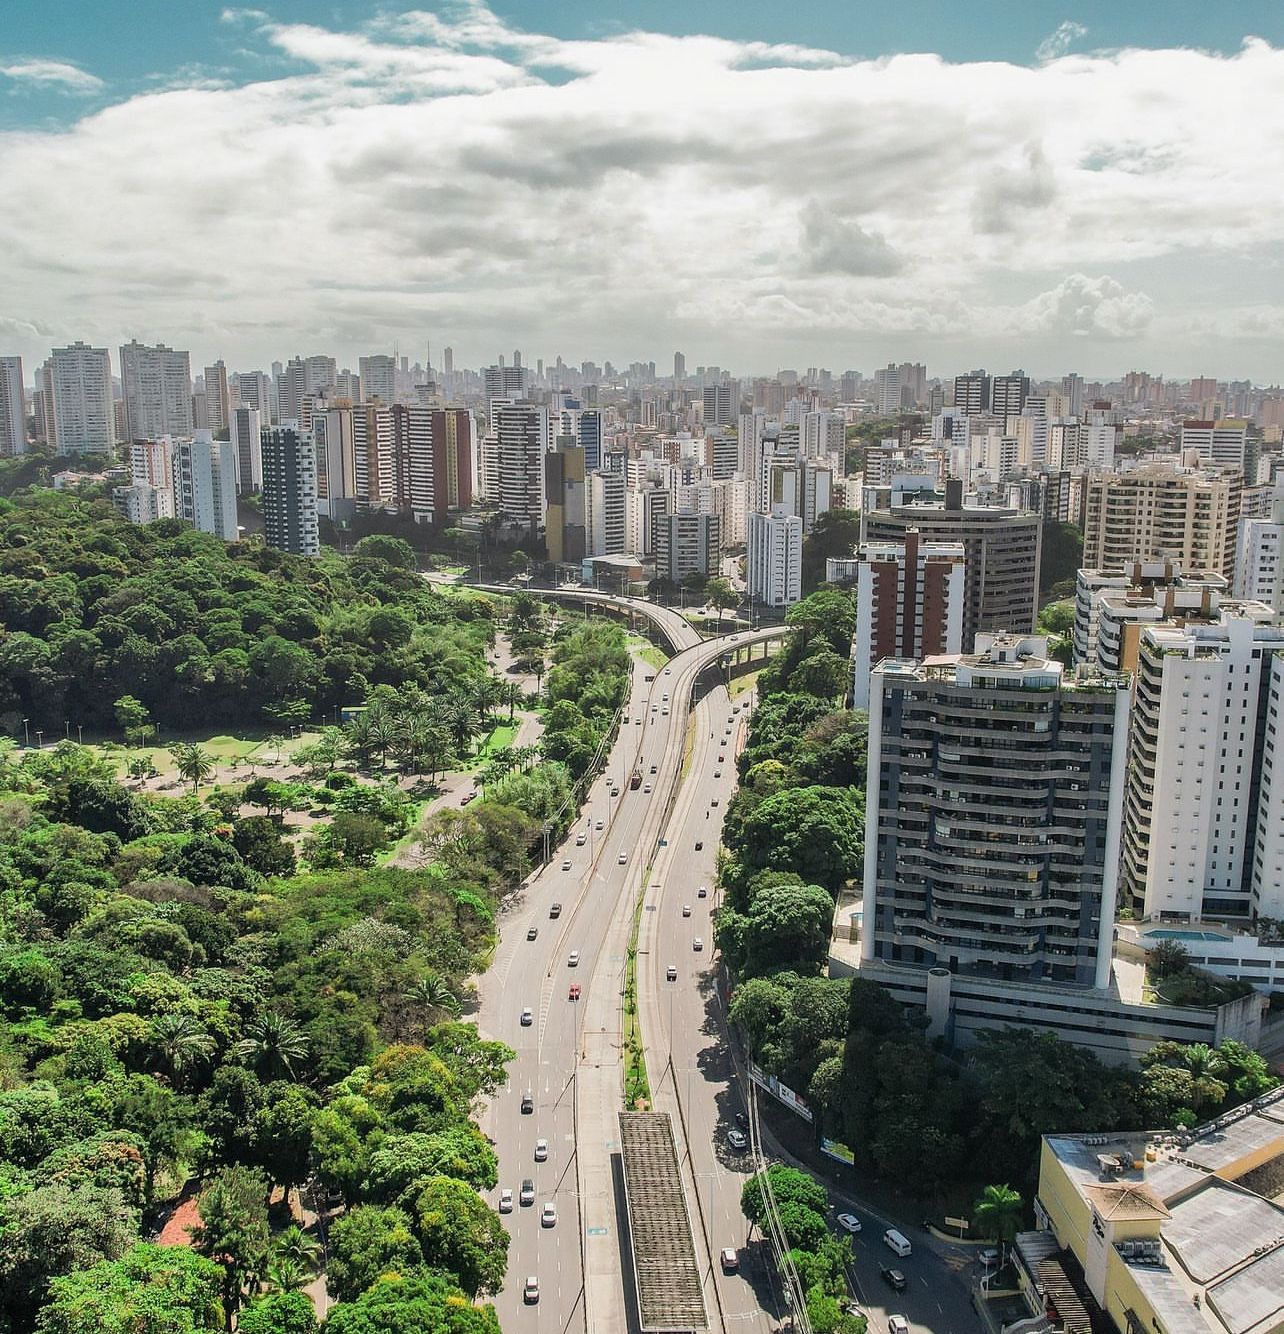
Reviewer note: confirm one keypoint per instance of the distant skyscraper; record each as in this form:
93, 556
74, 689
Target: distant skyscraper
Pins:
448, 361
679, 368
1223, 443
78, 403
523, 434
503, 382
972, 393
205, 484
246, 437
1008, 394
218, 398
13, 414
290, 490
720, 404
379, 378
156, 383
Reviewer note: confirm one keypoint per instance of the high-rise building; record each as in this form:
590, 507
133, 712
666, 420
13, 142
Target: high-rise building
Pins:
644, 507
13, 408
304, 378
205, 484
686, 544
245, 432
156, 384
566, 502
721, 403
378, 378
1002, 549
1221, 444
994, 810
679, 368
799, 486
909, 604
972, 393
1259, 562
290, 490
607, 516
254, 390
1205, 807
585, 424
1008, 394
79, 418
142, 503
503, 382
522, 430
823, 435
151, 463
721, 454
774, 558
333, 433
1156, 512
887, 391
218, 398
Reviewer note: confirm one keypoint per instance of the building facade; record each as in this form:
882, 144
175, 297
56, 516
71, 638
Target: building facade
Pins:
205, 484
13, 408
686, 544
79, 418
774, 558
156, 385
290, 490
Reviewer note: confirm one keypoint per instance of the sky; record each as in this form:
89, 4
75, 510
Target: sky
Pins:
1077, 186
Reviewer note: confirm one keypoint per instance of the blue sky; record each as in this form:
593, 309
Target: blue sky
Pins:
602, 181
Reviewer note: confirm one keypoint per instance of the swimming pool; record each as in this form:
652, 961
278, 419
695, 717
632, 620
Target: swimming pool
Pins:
1176, 933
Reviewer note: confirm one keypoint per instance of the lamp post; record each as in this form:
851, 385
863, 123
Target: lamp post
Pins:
26, 734
40, 739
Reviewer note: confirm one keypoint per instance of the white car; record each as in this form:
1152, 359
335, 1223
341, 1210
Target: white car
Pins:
697, 944
541, 1152
599, 825
665, 711
574, 960
646, 787
686, 910
624, 857
566, 861
849, 1222
897, 1324
530, 1293
528, 1017
505, 1201
549, 1217
580, 839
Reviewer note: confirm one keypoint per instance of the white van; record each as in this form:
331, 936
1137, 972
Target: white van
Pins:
897, 1241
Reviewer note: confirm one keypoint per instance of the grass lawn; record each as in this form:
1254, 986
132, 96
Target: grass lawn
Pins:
223, 750
741, 685
647, 651
500, 738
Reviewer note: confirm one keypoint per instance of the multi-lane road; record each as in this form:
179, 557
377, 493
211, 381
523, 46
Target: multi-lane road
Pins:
652, 847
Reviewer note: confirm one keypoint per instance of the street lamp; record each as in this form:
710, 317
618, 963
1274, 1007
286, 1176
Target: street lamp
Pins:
40, 739
26, 734
80, 734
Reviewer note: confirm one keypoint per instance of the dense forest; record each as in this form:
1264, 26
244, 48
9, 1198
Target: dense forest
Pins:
234, 1056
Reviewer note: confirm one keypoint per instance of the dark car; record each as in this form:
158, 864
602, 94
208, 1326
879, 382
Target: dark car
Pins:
699, 845
532, 933
893, 1278
528, 1104
555, 910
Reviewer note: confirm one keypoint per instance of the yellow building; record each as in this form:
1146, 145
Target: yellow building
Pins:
1169, 1233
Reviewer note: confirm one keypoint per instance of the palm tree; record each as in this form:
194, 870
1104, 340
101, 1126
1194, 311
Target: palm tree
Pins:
460, 720
432, 994
181, 1042
295, 1245
1202, 1061
194, 764
997, 1214
286, 1275
273, 1046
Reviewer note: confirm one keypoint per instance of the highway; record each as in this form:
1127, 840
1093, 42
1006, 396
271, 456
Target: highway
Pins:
569, 1057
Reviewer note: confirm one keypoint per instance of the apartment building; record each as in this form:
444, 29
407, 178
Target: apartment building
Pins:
290, 490
76, 382
205, 484
1156, 512
994, 811
13, 409
156, 385
686, 544
774, 558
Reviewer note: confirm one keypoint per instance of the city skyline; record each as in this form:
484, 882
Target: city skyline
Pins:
470, 177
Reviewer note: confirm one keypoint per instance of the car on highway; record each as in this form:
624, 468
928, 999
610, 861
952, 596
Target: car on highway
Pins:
527, 1193
549, 1217
647, 788
699, 845
697, 944
615, 791
897, 1324
653, 768
849, 1222
668, 671
599, 826
566, 863
988, 1256
738, 1140
703, 892
665, 711
722, 741
530, 1292
528, 1017
505, 1201
671, 973
580, 839
528, 1104
717, 773
573, 959
532, 933
686, 910
574, 992
714, 802
554, 909
893, 1278
665, 697
541, 1150
624, 856
730, 1259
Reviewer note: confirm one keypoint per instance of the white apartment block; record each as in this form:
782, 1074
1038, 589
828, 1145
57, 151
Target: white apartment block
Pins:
775, 558
151, 462
13, 411
378, 378
1223, 443
205, 484
606, 521
1259, 551
1204, 806
156, 383
823, 435
218, 398
644, 507
143, 503
245, 430
77, 385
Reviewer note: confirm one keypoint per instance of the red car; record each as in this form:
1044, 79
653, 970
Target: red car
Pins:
575, 991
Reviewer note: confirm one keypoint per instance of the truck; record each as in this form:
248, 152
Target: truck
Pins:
636, 780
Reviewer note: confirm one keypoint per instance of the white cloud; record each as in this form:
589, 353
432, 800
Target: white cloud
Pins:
446, 176
57, 74
1057, 43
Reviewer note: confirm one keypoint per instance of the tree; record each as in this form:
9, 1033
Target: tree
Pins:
835, 533
350, 839
829, 614
391, 550
721, 596
367, 1243
822, 673
134, 719
193, 764
789, 1186
273, 1046
787, 925
997, 1214
432, 996
258, 839
159, 1289
458, 1232
181, 1042
283, 1133
234, 1229
412, 1304
279, 1313
815, 832
1167, 958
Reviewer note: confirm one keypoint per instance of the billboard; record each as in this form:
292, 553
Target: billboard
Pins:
781, 1092
838, 1151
